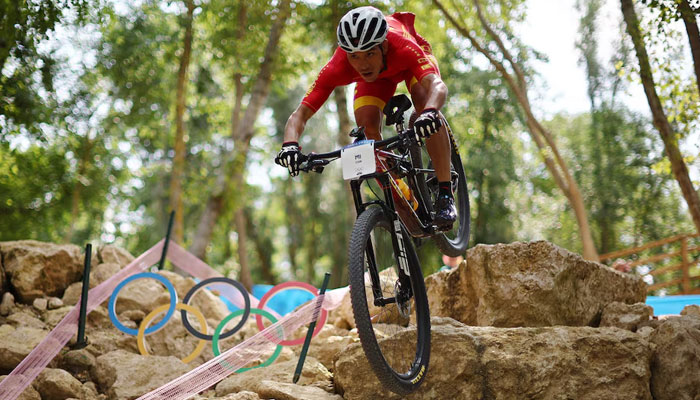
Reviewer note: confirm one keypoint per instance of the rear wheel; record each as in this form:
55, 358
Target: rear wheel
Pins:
395, 336
454, 242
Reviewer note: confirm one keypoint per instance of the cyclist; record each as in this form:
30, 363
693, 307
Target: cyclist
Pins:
377, 53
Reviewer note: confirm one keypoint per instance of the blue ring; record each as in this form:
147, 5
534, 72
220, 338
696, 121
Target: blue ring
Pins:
113, 301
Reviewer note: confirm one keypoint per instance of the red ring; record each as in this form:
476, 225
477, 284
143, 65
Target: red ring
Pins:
292, 285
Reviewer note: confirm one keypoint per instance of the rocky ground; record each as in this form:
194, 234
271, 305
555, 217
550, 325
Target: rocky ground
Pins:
516, 321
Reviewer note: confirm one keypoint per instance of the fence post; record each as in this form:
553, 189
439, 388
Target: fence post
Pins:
685, 265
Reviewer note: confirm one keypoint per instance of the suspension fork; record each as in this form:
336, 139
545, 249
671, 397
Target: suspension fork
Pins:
369, 253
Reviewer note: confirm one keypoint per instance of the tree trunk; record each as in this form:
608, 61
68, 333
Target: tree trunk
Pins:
691, 27
78, 188
542, 137
339, 270
233, 166
680, 170
294, 226
178, 169
263, 247
241, 227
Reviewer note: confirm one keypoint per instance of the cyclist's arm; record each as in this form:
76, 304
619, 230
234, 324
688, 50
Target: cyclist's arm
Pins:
297, 122
437, 91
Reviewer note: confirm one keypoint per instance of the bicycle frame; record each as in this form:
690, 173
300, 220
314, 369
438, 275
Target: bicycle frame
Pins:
400, 212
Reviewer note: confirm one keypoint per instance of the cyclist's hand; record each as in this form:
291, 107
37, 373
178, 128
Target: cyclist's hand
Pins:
290, 157
427, 123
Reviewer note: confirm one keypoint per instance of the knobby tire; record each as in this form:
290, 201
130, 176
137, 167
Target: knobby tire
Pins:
404, 373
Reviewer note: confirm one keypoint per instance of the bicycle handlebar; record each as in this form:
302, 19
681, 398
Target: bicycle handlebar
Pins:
317, 161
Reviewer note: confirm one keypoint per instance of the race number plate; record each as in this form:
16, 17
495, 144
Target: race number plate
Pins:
357, 159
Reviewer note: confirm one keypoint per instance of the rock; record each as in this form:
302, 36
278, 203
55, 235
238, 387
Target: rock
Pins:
29, 393
142, 294
102, 272
244, 395
105, 341
515, 363
78, 361
290, 391
72, 294
114, 255
17, 344
54, 303
692, 309
676, 358
124, 375
57, 384
90, 391
40, 304
343, 317
25, 319
313, 374
529, 285
626, 316
7, 304
37, 269
328, 343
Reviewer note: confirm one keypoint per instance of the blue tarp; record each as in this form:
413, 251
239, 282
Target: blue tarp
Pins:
671, 304
285, 301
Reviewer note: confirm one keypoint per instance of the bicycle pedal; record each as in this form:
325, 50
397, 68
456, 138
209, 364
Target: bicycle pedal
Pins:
443, 228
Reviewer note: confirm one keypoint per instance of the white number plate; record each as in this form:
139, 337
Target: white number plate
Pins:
357, 159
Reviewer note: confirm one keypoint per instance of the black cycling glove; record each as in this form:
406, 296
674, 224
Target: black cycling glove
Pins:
290, 157
427, 123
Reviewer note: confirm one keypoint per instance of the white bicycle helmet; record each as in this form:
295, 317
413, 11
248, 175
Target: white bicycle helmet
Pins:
361, 29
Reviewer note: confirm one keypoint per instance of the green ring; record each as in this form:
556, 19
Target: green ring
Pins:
222, 324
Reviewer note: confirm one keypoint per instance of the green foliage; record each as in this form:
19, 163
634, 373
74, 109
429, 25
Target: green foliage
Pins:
106, 139
26, 73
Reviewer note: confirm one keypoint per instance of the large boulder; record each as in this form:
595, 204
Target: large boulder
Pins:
35, 269
529, 285
124, 375
508, 363
676, 359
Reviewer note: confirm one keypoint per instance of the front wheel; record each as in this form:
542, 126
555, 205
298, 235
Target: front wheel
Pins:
391, 315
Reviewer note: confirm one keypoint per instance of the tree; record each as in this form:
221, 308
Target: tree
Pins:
678, 166
674, 10
517, 82
233, 172
23, 25
178, 167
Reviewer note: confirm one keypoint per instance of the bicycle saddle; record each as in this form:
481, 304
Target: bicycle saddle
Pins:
395, 108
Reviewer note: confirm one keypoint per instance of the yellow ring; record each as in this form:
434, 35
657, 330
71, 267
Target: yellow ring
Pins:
140, 337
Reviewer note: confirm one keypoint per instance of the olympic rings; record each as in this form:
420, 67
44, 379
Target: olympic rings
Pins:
193, 291
215, 340
142, 275
292, 285
140, 337
184, 308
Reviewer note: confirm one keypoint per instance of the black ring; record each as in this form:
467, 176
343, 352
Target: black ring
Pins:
206, 282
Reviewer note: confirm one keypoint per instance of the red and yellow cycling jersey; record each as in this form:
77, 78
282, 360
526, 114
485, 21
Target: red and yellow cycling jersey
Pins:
409, 59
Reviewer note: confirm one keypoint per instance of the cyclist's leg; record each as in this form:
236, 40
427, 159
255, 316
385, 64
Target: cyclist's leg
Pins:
369, 101
438, 145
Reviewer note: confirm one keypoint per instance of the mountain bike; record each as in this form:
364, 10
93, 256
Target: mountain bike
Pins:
386, 282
